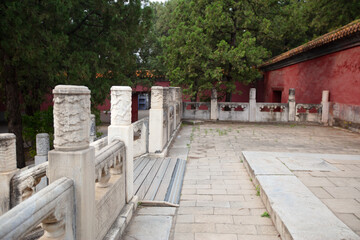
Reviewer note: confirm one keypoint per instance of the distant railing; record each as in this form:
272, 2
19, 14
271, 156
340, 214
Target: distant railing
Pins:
141, 137
232, 111
258, 112
272, 112
196, 110
308, 112
52, 206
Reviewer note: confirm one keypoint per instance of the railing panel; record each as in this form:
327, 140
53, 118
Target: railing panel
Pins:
272, 112
196, 110
100, 143
24, 182
308, 112
53, 206
110, 186
141, 136
233, 111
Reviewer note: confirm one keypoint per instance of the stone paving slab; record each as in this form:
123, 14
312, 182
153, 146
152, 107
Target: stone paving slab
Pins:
151, 223
298, 214
264, 163
296, 211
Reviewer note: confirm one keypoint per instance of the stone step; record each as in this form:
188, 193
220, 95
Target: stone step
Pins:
296, 212
158, 181
174, 190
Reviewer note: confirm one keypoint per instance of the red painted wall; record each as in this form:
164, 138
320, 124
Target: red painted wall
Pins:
337, 72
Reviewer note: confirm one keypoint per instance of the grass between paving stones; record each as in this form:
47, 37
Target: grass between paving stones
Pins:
265, 214
257, 190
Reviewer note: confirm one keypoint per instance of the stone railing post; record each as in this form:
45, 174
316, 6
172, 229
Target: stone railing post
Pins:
42, 150
7, 168
156, 119
325, 107
214, 105
92, 128
252, 105
121, 128
72, 156
292, 105
178, 106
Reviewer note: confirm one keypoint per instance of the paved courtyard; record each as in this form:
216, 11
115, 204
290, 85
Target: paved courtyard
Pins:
219, 199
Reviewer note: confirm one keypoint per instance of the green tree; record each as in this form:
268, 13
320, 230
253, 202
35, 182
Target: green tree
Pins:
44, 43
211, 44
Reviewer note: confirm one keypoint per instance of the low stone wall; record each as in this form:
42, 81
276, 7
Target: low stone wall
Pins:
346, 116
196, 110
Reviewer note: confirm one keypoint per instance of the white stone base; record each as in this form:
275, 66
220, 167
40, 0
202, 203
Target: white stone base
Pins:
125, 134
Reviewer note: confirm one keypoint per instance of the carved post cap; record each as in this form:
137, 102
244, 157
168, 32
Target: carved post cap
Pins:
71, 117
42, 144
157, 97
120, 105
325, 96
7, 152
252, 93
291, 94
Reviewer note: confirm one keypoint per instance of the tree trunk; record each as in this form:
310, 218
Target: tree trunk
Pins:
13, 110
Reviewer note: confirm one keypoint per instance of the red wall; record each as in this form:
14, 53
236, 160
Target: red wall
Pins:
337, 72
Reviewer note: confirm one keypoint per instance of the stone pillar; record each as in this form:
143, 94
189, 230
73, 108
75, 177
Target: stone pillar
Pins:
92, 128
292, 105
214, 105
178, 105
7, 168
72, 156
42, 150
252, 105
121, 128
156, 119
325, 107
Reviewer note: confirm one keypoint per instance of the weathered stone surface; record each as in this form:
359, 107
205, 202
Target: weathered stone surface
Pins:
149, 228
298, 213
264, 163
42, 144
120, 105
7, 152
71, 117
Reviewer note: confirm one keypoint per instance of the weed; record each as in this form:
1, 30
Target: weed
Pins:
257, 190
206, 131
265, 214
250, 179
237, 131
241, 161
292, 125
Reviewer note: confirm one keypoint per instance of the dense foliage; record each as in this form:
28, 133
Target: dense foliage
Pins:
216, 43
45, 43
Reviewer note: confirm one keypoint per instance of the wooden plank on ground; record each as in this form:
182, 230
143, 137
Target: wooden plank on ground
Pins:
160, 196
143, 174
154, 187
149, 178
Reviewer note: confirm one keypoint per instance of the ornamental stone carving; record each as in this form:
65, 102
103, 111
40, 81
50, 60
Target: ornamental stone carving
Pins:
7, 152
120, 105
157, 97
42, 144
71, 117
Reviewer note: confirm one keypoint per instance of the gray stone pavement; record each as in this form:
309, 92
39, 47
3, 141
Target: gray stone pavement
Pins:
219, 200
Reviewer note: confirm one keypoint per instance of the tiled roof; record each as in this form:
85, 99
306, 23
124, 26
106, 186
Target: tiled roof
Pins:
339, 33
